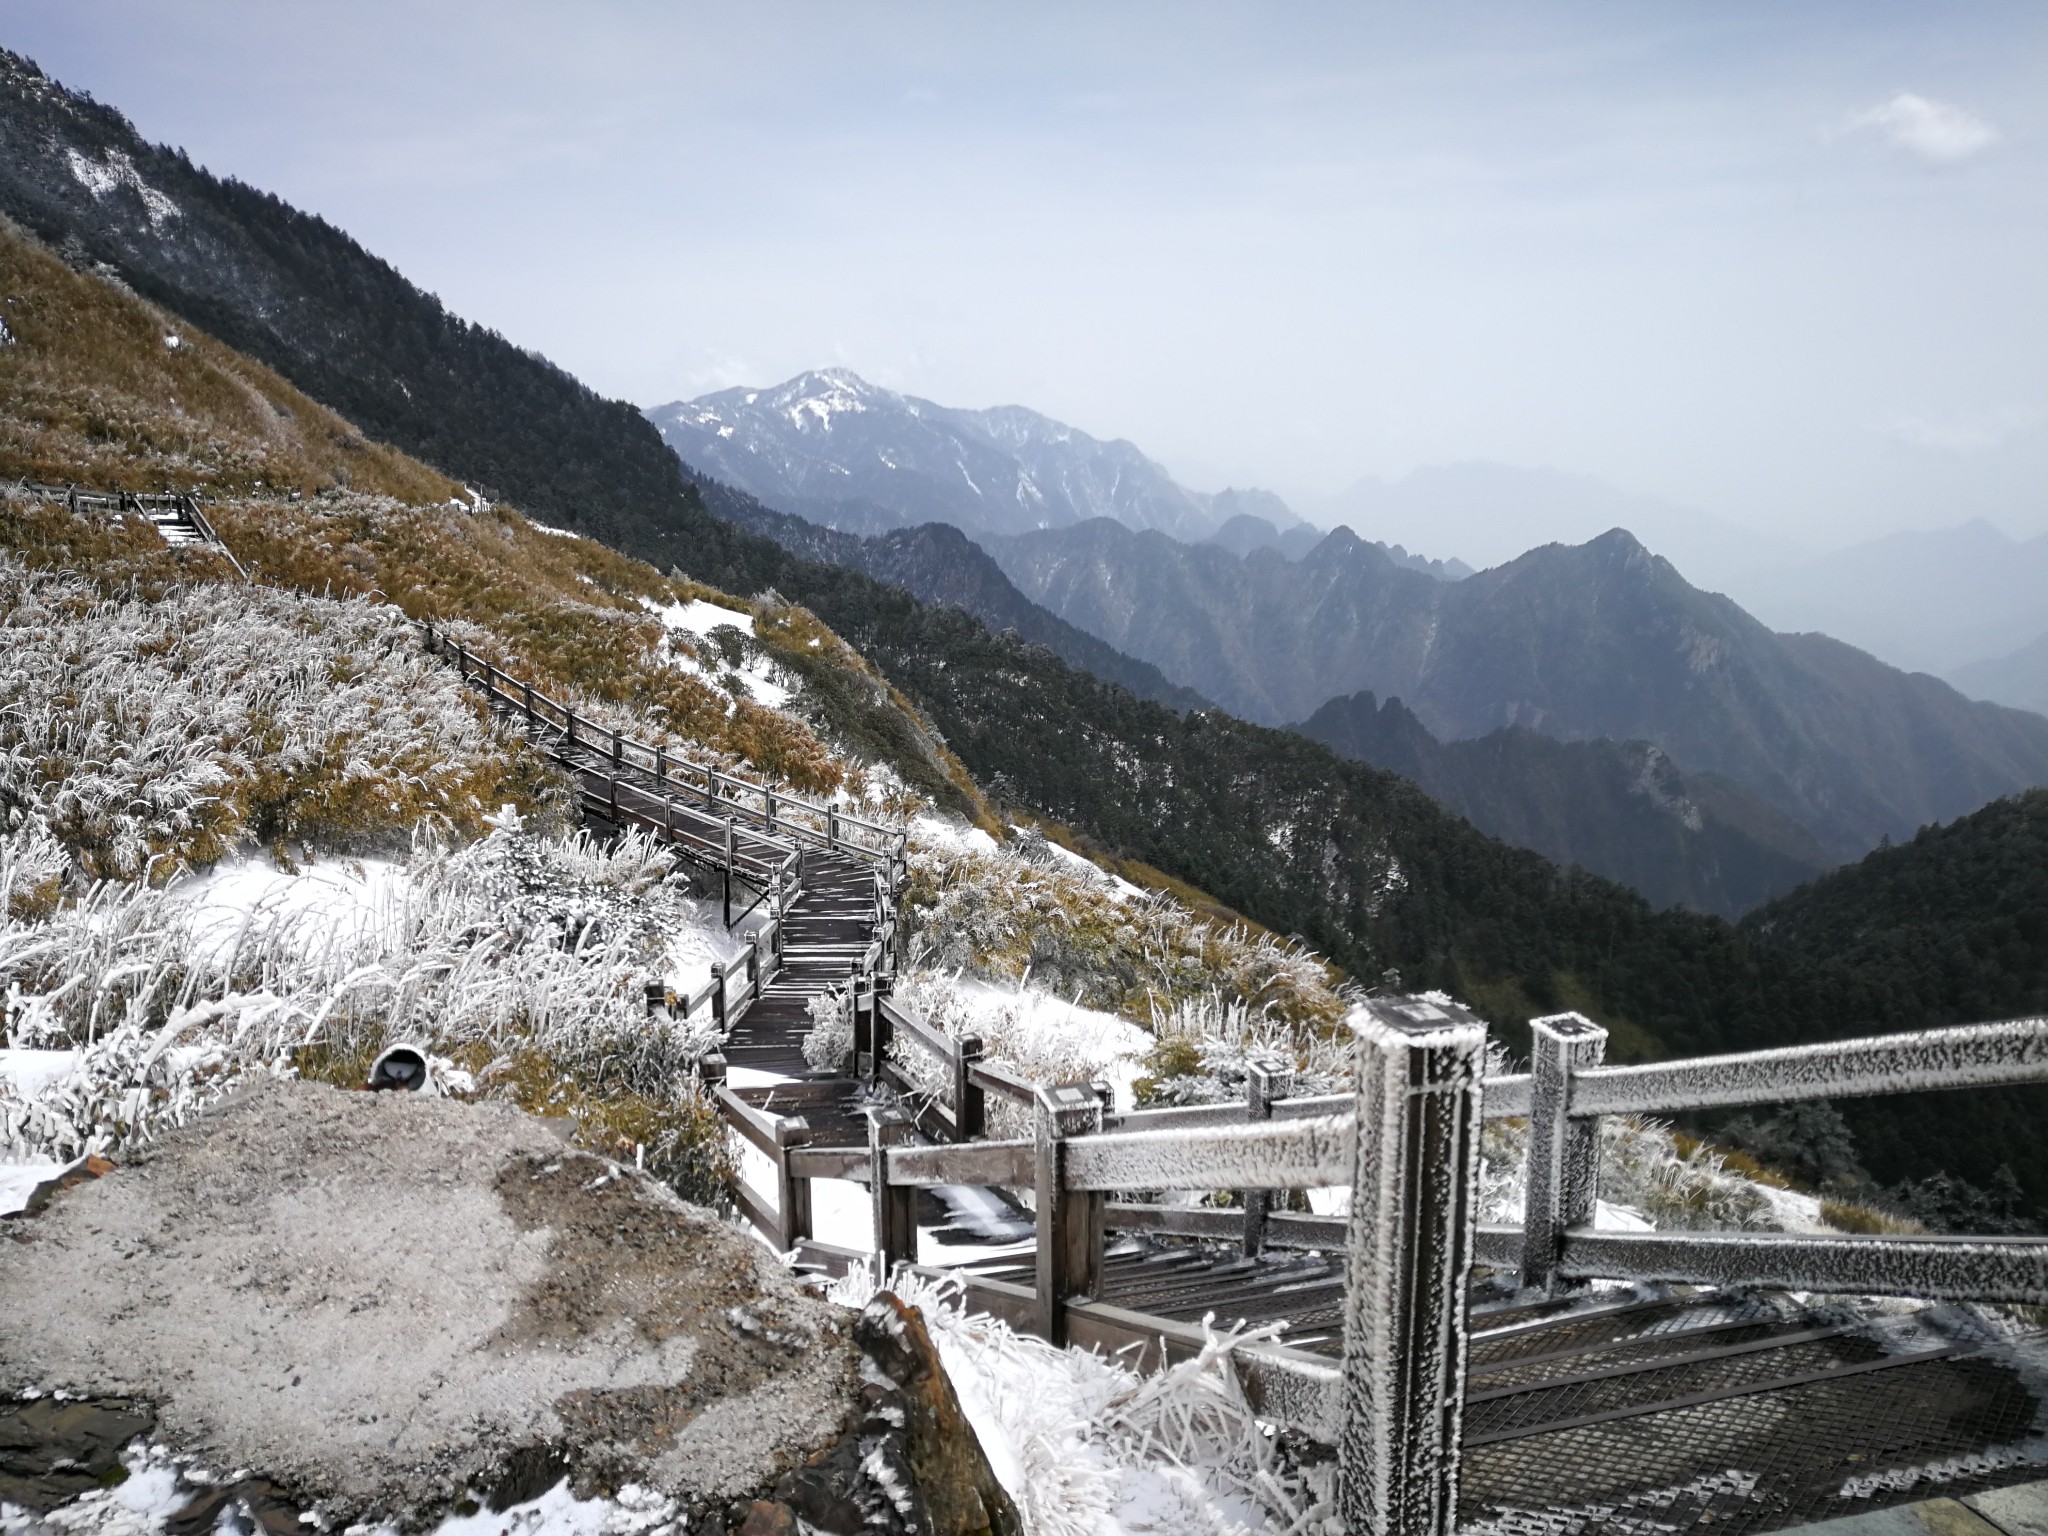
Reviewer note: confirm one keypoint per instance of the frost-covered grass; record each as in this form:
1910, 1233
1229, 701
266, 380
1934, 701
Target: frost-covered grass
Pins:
1019, 914
140, 738
1087, 1447
519, 964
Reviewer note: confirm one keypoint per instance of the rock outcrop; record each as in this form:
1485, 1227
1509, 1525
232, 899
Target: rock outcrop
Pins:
388, 1306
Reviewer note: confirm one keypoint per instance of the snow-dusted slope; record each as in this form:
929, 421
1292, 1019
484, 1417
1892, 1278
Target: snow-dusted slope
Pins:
831, 447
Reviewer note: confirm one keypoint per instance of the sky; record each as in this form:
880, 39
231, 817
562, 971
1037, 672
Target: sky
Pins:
1784, 262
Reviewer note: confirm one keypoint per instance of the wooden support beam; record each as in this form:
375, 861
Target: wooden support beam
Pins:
1262, 1086
1068, 1221
792, 1193
895, 1226
1564, 1149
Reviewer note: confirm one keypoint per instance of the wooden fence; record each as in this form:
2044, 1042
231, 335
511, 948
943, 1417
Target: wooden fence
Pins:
185, 506
1405, 1143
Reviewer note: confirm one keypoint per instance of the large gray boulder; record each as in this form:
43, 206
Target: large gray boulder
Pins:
387, 1305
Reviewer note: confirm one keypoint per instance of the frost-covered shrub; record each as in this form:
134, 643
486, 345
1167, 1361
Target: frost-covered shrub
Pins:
1643, 1168
1207, 1047
1001, 915
148, 737
522, 960
828, 1044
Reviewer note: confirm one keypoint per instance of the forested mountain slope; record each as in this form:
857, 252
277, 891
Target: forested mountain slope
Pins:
1362, 864
1621, 809
1578, 642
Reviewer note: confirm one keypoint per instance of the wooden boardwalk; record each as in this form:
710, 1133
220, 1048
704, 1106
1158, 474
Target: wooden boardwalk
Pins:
1640, 1409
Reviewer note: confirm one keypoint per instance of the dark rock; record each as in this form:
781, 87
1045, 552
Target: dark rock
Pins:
949, 1489
764, 1518
52, 1450
247, 1508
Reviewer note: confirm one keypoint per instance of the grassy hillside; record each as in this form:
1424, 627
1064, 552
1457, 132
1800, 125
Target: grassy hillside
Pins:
92, 391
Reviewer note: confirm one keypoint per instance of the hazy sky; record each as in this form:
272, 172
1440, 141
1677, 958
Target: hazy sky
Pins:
1788, 262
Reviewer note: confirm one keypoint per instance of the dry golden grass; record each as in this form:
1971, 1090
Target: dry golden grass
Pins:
92, 393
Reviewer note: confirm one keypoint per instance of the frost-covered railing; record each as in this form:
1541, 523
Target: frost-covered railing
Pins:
778, 815
712, 834
1406, 1144
1569, 1090
185, 506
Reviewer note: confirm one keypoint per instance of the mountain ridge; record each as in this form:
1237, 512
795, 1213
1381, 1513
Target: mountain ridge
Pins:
1603, 639
841, 452
1620, 809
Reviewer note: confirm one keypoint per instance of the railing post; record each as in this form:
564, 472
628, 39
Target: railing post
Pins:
831, 826
1262, 1085
729, 851
1068, 1222
1562, 1174
970, 1108
568, 726
792, 1195
711, 1068
754, 962
895, 1215
1413, 1216
718, 995
768, 797
526, 698
879, 1030
661, 766
863, 1028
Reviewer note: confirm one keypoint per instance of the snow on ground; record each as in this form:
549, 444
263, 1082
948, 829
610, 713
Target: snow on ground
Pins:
1030, 1027
560, 533
18, 1180
950, 834
1087, 869
699, 619
328, 903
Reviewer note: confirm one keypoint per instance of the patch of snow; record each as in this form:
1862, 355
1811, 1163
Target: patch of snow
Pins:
560, 533
558, 1512
18, 1180
174, 342
698, 617
950, 834
330, 904
28, 1072
101, 177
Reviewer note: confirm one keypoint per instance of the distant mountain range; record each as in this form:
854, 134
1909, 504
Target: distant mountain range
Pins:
1580, 642
846, 454
1620, 808
1490, 513
2020, 679
1932, 600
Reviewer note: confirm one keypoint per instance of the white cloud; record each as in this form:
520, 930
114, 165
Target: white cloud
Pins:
1932, 130
1966, 434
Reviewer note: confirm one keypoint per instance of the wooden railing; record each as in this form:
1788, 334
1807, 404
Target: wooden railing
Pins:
780, 816
185, 505
1405, 1143
746, 832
